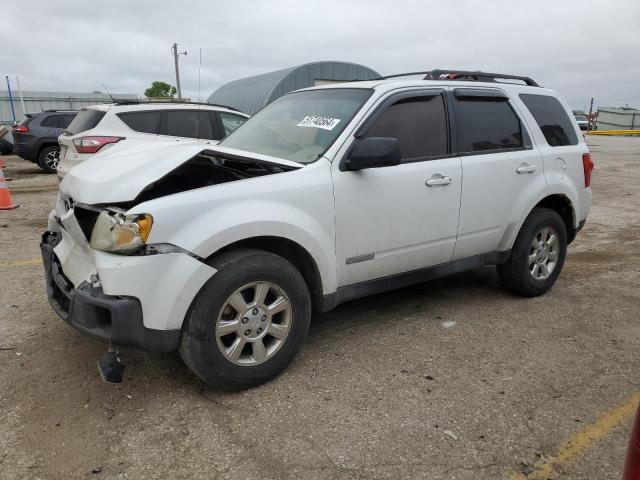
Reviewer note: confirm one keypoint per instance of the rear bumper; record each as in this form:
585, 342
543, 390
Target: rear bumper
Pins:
25, 151
89, 310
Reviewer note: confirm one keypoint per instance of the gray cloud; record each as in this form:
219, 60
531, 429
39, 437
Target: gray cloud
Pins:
580, 48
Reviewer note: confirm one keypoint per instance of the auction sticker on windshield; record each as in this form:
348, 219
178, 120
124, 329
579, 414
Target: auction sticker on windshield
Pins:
326, 123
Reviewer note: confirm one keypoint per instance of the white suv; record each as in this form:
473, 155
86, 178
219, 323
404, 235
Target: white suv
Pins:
101, 127
325, 195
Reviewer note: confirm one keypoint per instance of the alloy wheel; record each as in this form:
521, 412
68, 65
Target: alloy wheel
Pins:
253, 323
544, 252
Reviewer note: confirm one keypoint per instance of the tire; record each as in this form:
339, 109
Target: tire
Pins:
48, 158
201, 344
518, 274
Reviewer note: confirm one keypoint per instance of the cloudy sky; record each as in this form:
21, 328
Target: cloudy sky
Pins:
581, 48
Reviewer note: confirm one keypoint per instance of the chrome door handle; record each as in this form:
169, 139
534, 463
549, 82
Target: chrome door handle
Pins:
524, 168
438, 180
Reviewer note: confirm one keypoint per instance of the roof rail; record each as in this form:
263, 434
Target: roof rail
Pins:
171, 102
60, 110
476, 76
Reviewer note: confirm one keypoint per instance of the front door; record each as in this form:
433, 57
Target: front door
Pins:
396, 219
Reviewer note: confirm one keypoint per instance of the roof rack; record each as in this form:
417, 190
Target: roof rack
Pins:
476, 76
465, 75
171, 102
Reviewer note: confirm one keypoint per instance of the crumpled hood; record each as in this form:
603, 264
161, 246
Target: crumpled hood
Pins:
119, 176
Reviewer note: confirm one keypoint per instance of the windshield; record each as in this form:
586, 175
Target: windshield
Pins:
300, 126
581, 118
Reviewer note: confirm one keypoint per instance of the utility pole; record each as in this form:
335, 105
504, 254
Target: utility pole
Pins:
174, 50
589, 118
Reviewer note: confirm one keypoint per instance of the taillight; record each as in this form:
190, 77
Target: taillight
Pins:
93, 144
21, 129
587, 165
632, 464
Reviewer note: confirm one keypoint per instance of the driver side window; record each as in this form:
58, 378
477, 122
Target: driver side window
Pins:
419, 124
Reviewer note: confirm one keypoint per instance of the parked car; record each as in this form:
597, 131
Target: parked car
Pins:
6, 147
36, 137
632, 462
124, 124
582, 122
327, 194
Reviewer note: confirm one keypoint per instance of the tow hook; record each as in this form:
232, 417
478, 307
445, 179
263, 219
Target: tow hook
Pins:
111, 367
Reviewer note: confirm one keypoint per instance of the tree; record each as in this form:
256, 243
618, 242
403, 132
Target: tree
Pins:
160, 89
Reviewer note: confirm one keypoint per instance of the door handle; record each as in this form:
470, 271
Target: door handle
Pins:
525, 168
438, 180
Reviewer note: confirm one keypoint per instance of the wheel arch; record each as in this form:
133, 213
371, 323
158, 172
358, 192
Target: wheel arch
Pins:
289, 250
44, 144
563, 206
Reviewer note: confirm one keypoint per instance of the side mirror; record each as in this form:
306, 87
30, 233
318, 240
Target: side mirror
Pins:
372, 152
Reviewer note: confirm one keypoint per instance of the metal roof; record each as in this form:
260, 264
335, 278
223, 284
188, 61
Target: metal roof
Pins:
250, 94
35, 102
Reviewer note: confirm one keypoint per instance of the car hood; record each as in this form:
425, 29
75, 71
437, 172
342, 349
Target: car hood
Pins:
119, 176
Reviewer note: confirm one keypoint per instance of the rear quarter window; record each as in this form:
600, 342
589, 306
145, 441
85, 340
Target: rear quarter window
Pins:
85, 120
552, 119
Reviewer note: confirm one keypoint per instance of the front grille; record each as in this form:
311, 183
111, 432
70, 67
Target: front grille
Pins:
86, 219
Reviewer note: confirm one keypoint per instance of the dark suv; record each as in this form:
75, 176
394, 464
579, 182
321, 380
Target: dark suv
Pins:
36, 138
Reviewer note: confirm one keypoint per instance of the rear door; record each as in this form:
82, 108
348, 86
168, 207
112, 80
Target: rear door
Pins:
501, 170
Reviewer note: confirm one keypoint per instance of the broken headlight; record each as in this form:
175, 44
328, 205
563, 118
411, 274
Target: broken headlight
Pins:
117, 232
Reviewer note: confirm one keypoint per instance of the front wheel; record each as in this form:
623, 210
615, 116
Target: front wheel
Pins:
49, 158
537, 255
248, 321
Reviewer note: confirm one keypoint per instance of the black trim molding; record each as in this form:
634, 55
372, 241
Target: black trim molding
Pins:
400, 280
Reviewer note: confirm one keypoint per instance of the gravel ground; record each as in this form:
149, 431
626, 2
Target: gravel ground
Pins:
451, 379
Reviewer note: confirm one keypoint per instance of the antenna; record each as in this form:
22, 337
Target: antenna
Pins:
199, 67
109, 93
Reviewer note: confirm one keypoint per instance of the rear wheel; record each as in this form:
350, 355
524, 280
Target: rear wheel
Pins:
49, 158
537, 255
248, 322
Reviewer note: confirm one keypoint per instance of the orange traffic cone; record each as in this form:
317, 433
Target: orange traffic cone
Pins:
5, 196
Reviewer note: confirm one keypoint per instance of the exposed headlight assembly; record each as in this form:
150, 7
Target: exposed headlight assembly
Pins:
117, 232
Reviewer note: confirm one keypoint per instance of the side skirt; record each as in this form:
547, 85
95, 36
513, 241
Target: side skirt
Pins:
400, 280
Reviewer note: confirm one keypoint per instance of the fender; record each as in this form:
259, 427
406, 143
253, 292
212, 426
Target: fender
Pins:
564, 189
299, 227
296, 205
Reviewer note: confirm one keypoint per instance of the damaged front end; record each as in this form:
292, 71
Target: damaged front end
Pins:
106, 275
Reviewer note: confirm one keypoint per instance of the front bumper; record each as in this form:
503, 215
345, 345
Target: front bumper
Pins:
107, 318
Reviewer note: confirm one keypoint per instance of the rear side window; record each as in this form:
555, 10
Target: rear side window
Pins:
487, 123
552, 119
144, 122
66, 120
419, 124
85, 120
230, 122
52, 121
190, 124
